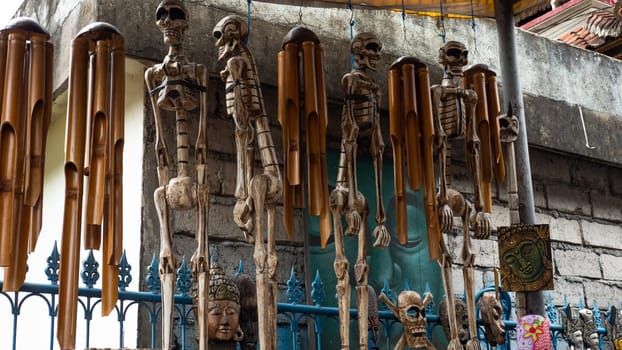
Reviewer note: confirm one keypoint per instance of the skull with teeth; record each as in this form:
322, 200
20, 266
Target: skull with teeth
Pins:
454, 56
366, 50
412, 316
172, 19
231, 33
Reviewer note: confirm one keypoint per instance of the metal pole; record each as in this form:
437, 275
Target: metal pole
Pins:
527, 302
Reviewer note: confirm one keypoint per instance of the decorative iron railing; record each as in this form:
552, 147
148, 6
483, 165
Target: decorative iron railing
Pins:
292, 315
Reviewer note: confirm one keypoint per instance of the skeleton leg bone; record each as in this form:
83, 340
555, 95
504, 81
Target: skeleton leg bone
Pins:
265, 262
446, 263
200, 258
168, 265
241, 210
361, 271
341, 266
469, 258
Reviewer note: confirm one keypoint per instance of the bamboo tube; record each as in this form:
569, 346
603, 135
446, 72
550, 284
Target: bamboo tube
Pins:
117, 116
98, 142
413, 144
33, 176
314, 177
427, 129
288, 200
113, 202
292, 108
37, 220
495, 128
325, 216
16, 271
396, 129
483, 130
25, 215
10, 139
74, 164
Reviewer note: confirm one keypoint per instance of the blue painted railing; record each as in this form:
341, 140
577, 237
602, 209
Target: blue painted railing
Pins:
291, 314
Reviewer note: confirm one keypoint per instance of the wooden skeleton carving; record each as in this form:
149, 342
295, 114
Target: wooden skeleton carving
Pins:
304, 43
360, 115
466, 106
179, 86
254, 193
420, 122
93, 167
26, 68
410, 312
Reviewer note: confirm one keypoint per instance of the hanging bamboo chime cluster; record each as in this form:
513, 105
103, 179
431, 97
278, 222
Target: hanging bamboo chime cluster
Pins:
93, 168
26, 70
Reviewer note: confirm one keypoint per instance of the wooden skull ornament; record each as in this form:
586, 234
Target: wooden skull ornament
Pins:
410, 312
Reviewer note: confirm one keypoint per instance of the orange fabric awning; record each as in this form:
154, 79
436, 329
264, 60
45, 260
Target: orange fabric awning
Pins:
481, 8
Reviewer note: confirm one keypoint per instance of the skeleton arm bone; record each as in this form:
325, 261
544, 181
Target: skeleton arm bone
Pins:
161, 148
482, 219
383, 238
383, 297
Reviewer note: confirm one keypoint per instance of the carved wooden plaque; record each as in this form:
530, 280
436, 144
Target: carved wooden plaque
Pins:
525, 258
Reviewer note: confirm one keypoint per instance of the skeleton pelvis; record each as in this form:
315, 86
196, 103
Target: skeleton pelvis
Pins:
181, 193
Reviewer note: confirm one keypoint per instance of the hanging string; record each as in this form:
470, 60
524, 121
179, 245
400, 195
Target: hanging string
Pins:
300, 14
404, 19
351, 29
442, 20
473, 26
248, 22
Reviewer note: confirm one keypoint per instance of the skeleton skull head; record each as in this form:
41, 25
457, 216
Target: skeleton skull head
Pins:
230, 34
172, 20
366, 50
454, 57
491, 311
412, 316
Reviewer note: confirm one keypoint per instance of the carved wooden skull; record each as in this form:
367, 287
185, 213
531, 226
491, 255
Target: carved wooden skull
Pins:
453, 56
366, 50
491, 312
412, 316
172, 20
230, 34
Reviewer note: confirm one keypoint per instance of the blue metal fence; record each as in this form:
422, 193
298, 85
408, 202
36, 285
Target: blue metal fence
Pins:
295, 316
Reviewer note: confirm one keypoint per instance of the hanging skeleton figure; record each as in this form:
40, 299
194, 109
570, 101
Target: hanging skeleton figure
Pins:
303, 42
26, 57
360, 114
452, 111
253, 193
178, 85
93, 167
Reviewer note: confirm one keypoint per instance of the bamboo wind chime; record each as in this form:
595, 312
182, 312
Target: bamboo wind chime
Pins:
93, 167
26, 70
411, 127
484, 82
302, 48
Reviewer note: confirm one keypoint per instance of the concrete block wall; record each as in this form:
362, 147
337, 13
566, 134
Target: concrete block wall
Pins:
580, 201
